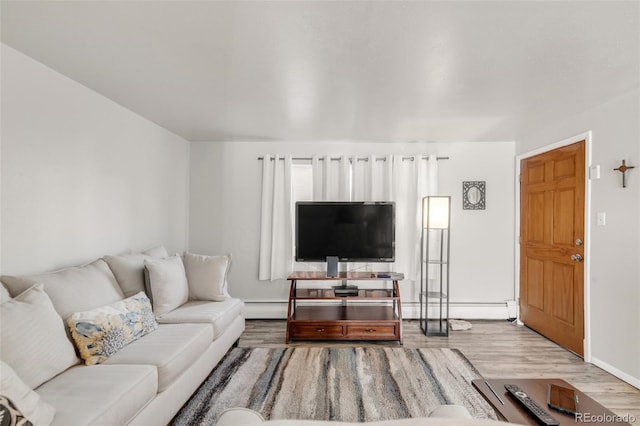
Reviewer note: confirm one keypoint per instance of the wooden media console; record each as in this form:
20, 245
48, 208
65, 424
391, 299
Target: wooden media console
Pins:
362, 314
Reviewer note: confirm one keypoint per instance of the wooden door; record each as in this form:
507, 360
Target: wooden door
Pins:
552, 194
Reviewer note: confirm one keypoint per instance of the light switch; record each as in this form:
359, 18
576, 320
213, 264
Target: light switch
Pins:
601, 218
594, 172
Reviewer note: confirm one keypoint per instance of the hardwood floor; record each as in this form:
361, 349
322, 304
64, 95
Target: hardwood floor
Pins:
497, 349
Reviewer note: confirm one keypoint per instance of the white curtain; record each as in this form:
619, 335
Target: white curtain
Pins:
361, 184
276, 227
372, 178
413, 178
331, 178
405, 180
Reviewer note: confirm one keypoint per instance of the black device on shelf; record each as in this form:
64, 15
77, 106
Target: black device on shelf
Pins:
345, 291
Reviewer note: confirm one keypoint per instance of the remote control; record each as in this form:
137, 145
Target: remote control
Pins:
538, 412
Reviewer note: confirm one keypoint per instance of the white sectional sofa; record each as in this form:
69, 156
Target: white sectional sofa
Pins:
146, 381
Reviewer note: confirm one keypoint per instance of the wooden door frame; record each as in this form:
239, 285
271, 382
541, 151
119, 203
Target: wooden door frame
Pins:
586, 136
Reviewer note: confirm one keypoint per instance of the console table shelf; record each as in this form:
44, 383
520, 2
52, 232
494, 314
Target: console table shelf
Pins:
327, 293
318, 314
344, 313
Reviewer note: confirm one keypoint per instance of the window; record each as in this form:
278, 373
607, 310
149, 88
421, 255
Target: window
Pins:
302, 182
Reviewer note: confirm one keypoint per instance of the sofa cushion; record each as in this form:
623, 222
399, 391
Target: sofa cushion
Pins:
172, 348
25, 400
450, 411
129, 268
129, 271
168, 283
158, 252
239, 416
33, 334
443, 415
73, 289
218, 314
100, 394
103, 331
207, 276
414, 421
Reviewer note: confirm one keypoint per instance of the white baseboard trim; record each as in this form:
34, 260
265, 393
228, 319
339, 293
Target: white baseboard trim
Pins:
265, 310
410, 310
633, 381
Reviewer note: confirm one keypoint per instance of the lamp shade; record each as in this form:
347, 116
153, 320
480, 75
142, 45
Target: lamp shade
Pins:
436, 212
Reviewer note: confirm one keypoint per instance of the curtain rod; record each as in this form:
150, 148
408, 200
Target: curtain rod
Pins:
357, 158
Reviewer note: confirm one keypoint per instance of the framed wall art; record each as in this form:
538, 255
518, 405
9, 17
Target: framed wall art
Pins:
474, 195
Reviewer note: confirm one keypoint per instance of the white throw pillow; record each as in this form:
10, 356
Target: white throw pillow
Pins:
207, 276
33, 337
25, 400
167, 283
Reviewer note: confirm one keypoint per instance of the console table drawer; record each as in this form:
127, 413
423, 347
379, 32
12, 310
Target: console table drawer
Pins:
377, 330
316, 331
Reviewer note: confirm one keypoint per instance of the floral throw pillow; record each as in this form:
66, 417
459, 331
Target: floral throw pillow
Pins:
101, 332
10, 415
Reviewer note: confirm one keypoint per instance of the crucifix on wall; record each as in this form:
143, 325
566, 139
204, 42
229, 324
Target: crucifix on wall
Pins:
623, 168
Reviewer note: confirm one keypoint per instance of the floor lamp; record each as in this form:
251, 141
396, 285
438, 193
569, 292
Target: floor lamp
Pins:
434, 270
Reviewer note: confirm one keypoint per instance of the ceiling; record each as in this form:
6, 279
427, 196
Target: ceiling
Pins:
338, 70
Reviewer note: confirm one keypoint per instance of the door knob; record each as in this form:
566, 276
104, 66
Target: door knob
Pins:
576, 258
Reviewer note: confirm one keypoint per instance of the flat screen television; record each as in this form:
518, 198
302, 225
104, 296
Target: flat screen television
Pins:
351, 231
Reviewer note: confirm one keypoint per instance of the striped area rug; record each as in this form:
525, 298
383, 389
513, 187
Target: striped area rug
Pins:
346, 384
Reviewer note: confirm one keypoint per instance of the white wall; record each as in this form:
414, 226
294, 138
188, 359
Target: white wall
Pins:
225, 201
615, 248
82, 176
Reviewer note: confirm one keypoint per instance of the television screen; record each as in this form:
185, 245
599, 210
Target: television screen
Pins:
352, 231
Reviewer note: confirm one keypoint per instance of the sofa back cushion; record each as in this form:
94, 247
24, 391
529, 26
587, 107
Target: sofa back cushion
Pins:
33, 338
72, 289
129, 271
129, 268
158, 252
